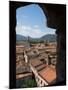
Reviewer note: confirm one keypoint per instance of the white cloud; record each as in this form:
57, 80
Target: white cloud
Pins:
36, 26
29, 31
34, 32
26, 27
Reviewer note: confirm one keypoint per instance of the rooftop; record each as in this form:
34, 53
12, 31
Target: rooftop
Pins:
48, 74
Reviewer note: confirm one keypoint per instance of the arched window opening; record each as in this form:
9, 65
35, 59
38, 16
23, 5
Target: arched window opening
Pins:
32, 34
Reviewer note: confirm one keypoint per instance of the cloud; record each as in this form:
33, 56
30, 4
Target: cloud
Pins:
34, 32
26, 28
29, 31
36, 26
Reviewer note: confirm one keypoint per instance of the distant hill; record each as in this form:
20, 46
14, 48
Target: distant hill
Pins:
48, 37
20, 37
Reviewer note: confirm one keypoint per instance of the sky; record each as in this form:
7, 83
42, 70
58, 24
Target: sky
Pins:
32, 22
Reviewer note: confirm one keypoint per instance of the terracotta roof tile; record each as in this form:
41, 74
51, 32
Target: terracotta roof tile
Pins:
48, 74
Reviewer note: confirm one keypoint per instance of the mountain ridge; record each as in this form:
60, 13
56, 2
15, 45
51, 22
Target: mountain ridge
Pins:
47, 37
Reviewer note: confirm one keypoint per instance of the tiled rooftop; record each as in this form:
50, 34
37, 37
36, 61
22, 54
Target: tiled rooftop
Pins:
48, 74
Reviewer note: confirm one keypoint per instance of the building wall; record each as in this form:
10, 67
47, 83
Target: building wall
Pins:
40, 81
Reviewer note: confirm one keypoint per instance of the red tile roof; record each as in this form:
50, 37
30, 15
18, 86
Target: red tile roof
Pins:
48, 74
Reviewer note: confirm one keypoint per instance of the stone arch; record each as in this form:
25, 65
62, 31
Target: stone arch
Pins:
56, 18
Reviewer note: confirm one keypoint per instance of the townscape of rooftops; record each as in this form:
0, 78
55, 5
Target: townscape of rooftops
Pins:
38, 62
